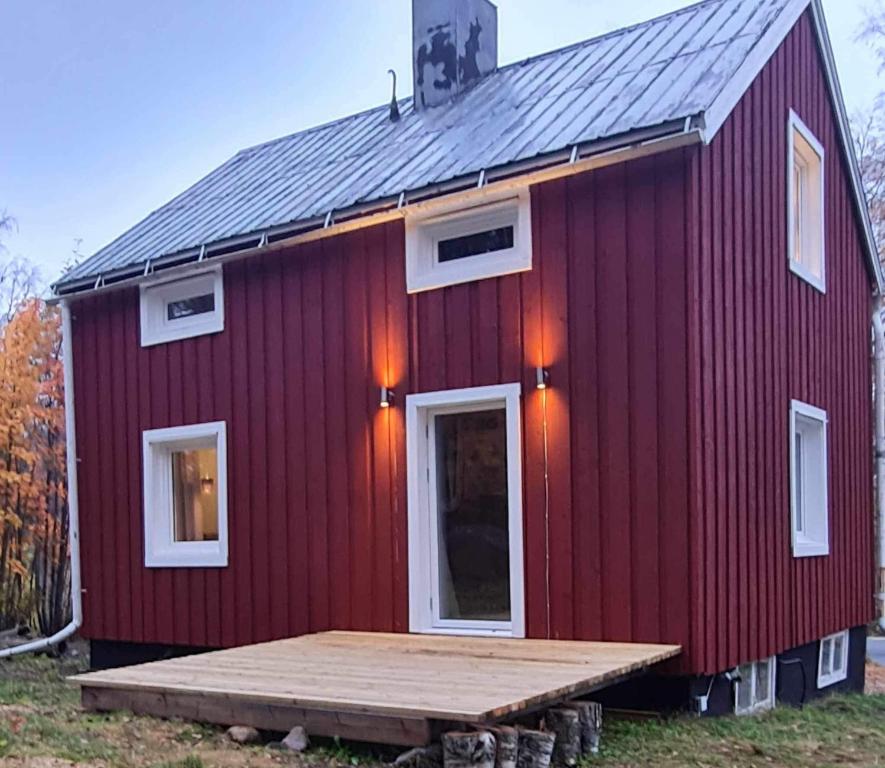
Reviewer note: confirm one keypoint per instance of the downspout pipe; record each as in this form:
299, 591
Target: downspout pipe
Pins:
73, 501
879, 366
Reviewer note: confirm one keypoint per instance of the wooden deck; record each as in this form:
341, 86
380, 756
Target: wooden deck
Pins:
389, 688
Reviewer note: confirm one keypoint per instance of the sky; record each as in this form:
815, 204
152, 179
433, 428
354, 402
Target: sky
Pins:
109, 108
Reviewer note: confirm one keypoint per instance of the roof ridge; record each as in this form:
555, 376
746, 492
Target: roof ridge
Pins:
511, 65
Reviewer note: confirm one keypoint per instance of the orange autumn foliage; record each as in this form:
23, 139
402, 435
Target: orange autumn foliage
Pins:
33, 505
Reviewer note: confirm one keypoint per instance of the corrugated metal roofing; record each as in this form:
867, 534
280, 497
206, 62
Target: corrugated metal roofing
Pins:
640, 77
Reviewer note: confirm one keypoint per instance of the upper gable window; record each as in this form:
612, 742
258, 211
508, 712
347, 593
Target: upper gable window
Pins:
450, 245
805, 204
181, 309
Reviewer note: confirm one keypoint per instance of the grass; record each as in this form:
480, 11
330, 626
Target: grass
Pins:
841, 730
42, 726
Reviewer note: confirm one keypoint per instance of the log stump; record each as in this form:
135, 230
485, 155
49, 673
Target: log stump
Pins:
565, 723
474, 749
535, 749
507, 745
590, 716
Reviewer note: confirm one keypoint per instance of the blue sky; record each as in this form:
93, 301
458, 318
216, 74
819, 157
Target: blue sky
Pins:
110, 107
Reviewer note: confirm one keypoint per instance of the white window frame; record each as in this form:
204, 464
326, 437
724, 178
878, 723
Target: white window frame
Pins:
756, 704
156, 328
828, 673
160, 548
427, 225
420, 410
814, 540
813, 209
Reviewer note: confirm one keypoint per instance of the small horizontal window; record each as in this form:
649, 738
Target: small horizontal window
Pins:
754, 688
182, 309
832, 664
805, 204
185, 496
453, 243
808, 480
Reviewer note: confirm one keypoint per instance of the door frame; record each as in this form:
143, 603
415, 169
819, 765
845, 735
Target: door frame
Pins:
420, 409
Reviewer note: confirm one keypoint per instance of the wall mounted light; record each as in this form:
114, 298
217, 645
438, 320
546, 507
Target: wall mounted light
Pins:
386, 397
207, 484
542, 378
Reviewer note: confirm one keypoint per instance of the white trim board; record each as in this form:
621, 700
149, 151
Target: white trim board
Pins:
419, 409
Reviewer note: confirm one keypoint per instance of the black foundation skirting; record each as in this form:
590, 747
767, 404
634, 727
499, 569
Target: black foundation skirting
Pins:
796, 683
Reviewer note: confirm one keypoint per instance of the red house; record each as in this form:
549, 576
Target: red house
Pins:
572, 348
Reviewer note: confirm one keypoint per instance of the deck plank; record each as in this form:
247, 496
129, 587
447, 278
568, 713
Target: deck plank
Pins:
404, 678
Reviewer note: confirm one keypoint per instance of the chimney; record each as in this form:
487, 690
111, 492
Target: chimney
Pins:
454, 44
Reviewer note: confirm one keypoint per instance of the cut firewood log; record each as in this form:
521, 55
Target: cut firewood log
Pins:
590, 716
535, 748
506, 745
566, 724
474, 749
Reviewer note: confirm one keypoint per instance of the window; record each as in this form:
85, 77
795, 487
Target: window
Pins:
465, 511
805, 204
185, 496
808, 480
832, 666
446, 245
754, 690
181, 309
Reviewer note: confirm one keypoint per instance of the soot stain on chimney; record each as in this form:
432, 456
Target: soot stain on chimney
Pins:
469, 69
442, 52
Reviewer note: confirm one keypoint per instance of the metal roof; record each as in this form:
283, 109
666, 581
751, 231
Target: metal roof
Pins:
651, 75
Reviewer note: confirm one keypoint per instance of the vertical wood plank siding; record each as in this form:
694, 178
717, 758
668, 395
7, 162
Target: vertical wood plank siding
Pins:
317, 471
760, 336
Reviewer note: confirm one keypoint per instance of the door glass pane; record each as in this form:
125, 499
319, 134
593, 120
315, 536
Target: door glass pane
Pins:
195, 495
472, 515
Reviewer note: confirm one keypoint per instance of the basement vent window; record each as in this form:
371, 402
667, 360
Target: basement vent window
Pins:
805, 204
808, 480
182, 309
452, 244
185, 496
754, 691
832, 666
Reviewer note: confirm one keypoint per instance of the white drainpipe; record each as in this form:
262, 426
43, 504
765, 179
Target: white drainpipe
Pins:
879, 333
73, 501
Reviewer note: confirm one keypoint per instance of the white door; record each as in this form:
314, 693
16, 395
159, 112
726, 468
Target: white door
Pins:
465, 511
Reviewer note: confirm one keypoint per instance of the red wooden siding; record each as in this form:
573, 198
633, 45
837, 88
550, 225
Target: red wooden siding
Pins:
760, 336
317, 475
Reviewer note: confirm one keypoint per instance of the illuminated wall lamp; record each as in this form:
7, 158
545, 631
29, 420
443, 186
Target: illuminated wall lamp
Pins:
542, 378
386, 397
